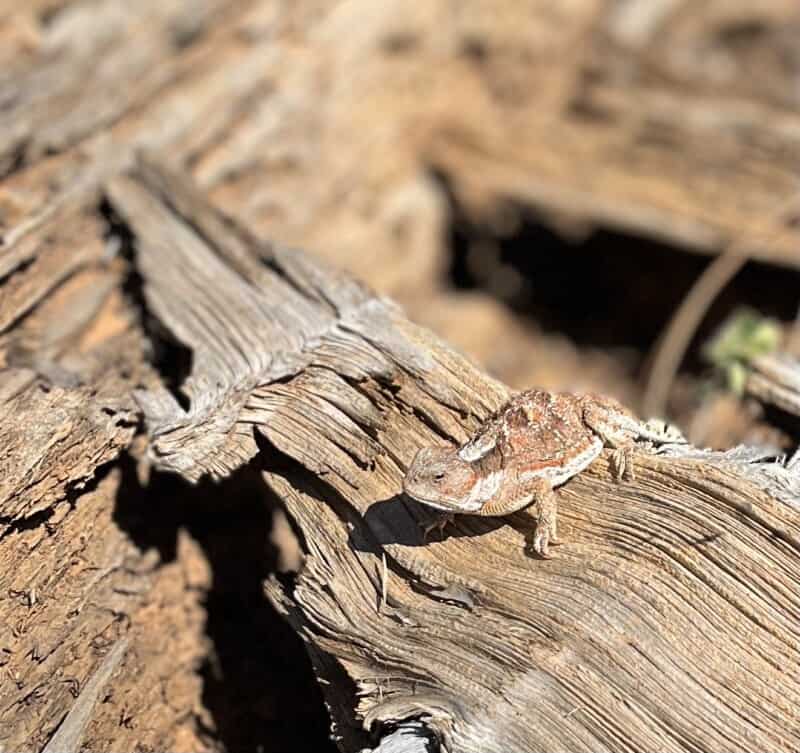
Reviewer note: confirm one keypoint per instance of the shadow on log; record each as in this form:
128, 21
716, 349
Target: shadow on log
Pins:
667, 620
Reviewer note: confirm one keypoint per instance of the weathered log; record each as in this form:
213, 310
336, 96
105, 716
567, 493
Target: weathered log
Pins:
670, 122
73, 581
668, 620
774, 380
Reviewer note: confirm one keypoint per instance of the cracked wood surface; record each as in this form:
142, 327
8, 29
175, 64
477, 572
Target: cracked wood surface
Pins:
668, 620
73, 581
671, 122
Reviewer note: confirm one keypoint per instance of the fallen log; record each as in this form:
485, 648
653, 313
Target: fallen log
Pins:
667, 620
76, 587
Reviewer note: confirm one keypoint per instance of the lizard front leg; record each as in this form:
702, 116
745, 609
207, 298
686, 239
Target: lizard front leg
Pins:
439, 523
546, 517
516, 496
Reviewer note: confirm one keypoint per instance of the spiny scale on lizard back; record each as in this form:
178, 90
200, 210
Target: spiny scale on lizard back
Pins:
536, 426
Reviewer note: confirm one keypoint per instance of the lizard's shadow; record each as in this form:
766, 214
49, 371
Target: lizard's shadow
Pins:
396, 519
400, 520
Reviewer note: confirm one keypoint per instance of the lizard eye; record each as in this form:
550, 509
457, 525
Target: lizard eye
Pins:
438, 476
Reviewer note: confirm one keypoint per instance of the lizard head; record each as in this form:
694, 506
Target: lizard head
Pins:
439, 478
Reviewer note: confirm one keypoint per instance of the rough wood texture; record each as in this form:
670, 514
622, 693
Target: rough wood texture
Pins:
671, 604
319, 124
73, 582
72, 589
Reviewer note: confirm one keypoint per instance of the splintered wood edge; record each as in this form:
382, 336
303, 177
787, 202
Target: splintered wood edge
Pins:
671, 600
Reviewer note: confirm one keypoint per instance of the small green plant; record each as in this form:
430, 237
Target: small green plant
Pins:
745, 335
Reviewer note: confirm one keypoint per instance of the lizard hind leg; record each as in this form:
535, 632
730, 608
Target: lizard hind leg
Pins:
617, 429
622, 461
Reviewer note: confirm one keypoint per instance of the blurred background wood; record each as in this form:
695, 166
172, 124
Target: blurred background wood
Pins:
674, 120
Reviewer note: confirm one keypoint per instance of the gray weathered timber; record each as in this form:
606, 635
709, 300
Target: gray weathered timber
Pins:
668, 620
73, 582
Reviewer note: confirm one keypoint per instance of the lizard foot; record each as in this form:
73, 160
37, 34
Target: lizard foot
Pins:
622, 462
440, 522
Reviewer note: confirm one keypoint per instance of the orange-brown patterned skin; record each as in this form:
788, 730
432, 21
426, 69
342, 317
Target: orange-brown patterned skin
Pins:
537, 441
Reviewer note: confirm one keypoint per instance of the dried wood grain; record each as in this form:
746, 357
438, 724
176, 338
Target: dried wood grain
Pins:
73, 582
668, 620
71, 732
72, 587
670, 119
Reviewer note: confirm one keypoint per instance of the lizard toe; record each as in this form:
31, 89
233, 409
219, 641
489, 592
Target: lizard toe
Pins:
622, 461
439, 523
541, 542
541, 546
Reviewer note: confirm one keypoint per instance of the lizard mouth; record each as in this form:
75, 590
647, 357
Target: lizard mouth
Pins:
443, 506
466, 503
